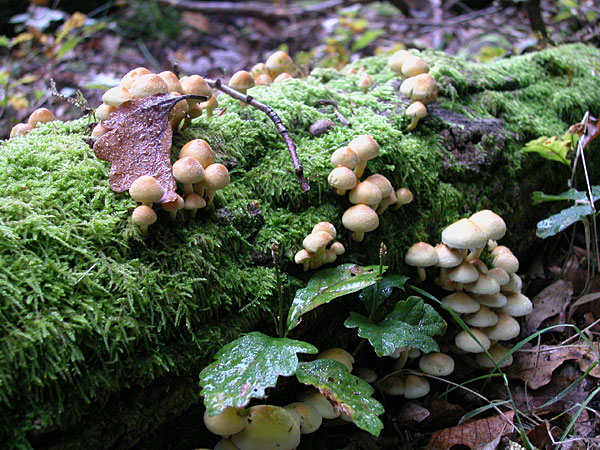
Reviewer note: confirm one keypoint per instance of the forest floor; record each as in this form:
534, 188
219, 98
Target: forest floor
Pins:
91, 50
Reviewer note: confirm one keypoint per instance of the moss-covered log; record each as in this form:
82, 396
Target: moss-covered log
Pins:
103, 331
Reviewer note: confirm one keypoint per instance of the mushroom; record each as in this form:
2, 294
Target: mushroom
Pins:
461, 274
517, 305
491, 223
146, 190
315, 244
492, 300
188, 171
341, 179
241, 81
103, 111
514, 284
98, 131
507, 328
500, 275
321, 403
366, 193
447, 258
414, 65
269, 427
415, 111
365, 82
200, 150
41, 115
226, 423
437, 364
173, 206
397, 59
403, 197
129, 77
264, 79
178, 112
279, 62
338, 248
143, 216
210, 105
310, 419
461, 303
421, 255
485, 317
115, 96
483, 285
344, 156
465, 342
364, 373
325, 226
21, 129
259, 69
415, 386
360, 219
392, 385
504, 258
282, 77
196, 85
497, 352
463, 235
366, 148
338, 354
172, 81
388, 195
216, 176
224, 444
193, 202
146, 85
303, 257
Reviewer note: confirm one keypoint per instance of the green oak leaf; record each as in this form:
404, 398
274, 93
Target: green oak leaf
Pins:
571, 194
411, 324
347, 392
564, 219
551, 148
329, 284
244, 368
377, 293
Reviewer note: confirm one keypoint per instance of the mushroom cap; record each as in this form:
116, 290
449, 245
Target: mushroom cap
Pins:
188, 170
130, 76
497, 352
360, 218
365, 147
365, 81
517, 305
483, 285
500, 275
224, 444
264, 79
463, 273
338, 248
392, 385
492, 300
344, 156
146, 189
321, 403
491, 223
339, 355
146, 85
416, 109
41, 115
315, 241
461, 303
507, 328
115, 96
225, 423
397, 59
143, 216
448, 257
193, 201
504, 258
174, 205
414, 65
196, 85
259, 69
216, 176
465, 342
269, 427
437, 364
310, 419
464, 234
384, 185
364, 373
279, 62
103, 111
302, 256
366, 193
415, 386
325, 226
421, 254
406, 87
424, 88
173, 83
241, 81
22, 129
342, 178
514, 285
404, 196
284, 76
198, 149
485, 317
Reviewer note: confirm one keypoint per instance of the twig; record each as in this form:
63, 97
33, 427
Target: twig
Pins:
338, 114
218, 84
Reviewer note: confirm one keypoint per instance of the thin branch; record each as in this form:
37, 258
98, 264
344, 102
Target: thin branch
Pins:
338, 114
218, 84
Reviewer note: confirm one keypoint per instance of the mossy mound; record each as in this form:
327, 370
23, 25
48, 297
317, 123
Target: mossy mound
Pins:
104, 332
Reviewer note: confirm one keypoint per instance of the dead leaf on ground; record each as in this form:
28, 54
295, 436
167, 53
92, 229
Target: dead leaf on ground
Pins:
413, 411
138, 142
548, 303
590, 357
477, 434
536, 367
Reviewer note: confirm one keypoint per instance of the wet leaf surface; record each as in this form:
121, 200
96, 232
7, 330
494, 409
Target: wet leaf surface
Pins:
138, 142
347, 392
247, 366
327, 285
411, 324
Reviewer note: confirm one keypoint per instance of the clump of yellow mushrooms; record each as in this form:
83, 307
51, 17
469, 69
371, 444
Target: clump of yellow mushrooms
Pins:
315, 252
40, 115
487, 298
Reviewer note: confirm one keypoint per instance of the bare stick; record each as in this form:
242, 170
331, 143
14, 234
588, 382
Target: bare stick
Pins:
338, 114
218, 84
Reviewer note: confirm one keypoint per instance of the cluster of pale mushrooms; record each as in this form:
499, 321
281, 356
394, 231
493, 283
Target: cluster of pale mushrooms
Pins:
370, 197
199, 176
488, 299
418, 86
40, 115
315, 252
275, 427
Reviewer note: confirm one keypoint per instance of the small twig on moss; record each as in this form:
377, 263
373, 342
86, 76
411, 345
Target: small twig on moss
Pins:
78, 101
338, 114
218, 84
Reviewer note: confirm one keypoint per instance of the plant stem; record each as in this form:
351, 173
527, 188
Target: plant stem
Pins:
218, 84
375, 304
275, 254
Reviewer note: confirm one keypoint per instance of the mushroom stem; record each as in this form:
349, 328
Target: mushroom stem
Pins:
358, 236
360, 168
422, 274
474, 254
188, 188
442, 279
413, 124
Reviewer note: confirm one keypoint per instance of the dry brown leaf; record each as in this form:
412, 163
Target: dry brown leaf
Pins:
592, 130
590, 357
536, 368
548, 303
413, 411
477, 434
138, 142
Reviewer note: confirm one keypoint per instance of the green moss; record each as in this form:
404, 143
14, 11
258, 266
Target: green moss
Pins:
91, 311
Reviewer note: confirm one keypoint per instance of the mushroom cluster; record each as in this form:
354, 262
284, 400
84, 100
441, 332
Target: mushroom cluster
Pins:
40, 115
277, 68
370, 197
141, 82
315, 252
488, 298
418, 86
